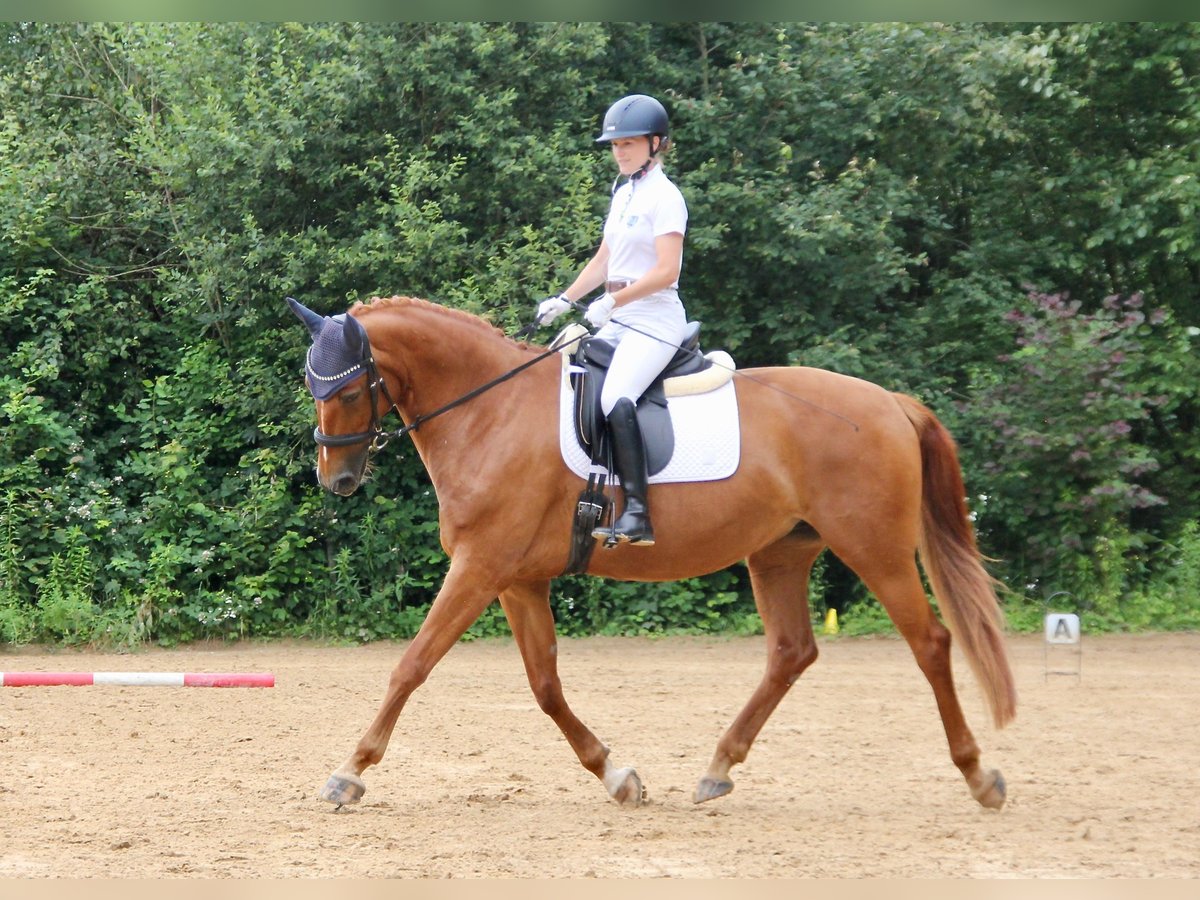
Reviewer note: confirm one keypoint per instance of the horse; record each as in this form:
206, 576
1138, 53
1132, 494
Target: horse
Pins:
828, 461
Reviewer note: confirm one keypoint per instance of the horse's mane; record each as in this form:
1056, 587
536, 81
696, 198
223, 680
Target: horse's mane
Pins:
470, 319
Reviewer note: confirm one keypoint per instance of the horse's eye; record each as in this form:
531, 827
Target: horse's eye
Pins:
349, 397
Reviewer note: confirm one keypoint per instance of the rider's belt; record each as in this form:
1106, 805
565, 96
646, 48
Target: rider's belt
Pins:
613, 286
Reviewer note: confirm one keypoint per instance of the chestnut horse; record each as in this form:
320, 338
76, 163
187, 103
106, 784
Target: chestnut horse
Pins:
827, 461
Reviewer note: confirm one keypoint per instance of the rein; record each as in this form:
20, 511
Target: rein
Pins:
376, 434
379, 438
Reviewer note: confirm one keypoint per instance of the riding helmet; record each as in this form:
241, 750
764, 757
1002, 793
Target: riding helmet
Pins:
634, 116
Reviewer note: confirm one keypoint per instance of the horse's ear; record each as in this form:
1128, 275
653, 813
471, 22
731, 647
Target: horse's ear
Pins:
314, 321
355, 336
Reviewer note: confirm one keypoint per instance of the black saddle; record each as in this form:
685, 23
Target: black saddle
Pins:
590, 364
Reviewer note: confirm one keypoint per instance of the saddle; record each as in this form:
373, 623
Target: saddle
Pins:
589, 366
689, 372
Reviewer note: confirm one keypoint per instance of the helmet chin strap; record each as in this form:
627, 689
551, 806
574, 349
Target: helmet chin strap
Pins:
643, 170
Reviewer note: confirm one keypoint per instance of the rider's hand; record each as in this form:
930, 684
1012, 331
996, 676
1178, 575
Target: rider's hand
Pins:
551, 308
600, 311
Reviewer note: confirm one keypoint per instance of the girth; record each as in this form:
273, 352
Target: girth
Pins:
590, 364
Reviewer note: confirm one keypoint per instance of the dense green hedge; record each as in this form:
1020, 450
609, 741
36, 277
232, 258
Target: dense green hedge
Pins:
999, 219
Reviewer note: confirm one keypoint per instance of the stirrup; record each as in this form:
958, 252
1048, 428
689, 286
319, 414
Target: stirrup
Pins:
606, 535
612, 536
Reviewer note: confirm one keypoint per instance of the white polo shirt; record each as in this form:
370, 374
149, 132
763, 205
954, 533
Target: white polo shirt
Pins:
642, 210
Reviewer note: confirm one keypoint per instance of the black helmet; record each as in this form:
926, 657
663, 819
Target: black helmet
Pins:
634, 116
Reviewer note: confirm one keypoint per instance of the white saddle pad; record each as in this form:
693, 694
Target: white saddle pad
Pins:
707, 434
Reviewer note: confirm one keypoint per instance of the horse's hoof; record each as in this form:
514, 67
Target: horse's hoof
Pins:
625, 787
711, 789
343, 789
993, 794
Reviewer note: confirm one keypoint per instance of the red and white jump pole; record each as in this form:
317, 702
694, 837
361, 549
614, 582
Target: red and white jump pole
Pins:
138, 679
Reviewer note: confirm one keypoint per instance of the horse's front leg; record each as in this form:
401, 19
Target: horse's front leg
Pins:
527, 607
465, 593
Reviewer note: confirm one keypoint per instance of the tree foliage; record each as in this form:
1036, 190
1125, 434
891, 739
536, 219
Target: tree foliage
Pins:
966, 212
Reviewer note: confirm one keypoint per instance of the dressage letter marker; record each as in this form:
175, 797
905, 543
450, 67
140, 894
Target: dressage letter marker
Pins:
1063, 635
138, 679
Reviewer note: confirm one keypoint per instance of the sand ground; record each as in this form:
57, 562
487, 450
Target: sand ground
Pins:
850, 778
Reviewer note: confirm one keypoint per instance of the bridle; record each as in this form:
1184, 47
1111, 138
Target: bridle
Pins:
375, 385
376, 434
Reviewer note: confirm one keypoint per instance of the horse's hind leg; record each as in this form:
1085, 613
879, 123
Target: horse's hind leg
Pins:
527, 607
894, 579
779, 576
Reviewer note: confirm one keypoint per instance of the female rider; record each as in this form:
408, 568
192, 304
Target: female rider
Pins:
638, 263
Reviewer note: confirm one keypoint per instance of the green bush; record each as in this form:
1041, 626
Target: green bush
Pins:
166, 185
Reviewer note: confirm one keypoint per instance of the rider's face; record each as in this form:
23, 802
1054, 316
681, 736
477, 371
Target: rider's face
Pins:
631, 153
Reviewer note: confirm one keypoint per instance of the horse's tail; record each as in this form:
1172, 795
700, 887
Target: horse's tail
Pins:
965, 592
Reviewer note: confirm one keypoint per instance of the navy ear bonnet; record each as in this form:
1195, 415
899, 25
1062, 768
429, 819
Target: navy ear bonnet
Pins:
331, 362
338, 354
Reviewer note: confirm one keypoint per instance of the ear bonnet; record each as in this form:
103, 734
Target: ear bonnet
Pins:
339, 351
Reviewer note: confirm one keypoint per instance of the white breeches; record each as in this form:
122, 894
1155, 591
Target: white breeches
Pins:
641, 355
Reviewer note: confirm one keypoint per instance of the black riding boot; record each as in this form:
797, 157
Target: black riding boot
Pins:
629, 453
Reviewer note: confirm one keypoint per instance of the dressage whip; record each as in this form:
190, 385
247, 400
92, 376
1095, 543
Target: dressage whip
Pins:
579, 307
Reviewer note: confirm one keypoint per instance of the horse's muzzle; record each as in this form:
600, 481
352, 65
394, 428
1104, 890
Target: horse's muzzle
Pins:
341, 475
344, 485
